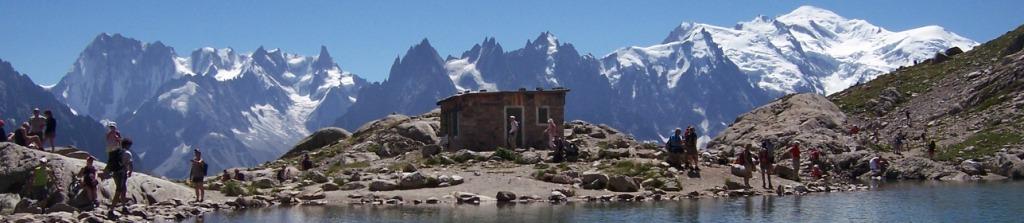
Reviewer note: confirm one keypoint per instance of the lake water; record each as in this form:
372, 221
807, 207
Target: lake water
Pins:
895, 202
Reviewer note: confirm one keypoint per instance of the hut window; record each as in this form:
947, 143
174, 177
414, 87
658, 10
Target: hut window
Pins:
542, 115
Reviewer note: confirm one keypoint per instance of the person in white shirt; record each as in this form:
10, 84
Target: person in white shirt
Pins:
513, 131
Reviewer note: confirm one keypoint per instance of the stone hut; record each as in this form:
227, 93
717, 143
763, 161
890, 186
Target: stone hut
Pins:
479, 120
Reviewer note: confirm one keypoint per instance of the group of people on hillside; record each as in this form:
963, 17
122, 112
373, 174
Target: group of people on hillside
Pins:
746, 164
34, 133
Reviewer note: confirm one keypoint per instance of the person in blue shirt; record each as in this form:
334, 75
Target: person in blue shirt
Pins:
674, 147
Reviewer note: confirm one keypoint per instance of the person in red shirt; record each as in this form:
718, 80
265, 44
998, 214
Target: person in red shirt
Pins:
815, 156
816, 172
794, 153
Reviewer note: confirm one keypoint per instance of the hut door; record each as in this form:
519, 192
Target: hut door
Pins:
518, 113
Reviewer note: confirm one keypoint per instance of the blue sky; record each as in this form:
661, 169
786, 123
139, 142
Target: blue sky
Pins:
43, 38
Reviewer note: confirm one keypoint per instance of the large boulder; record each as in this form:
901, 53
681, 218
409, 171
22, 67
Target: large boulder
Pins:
785, 171
421, 131
505, 196
529, 158
8, 202
383, 185
263, 183
594, 180
918, 168
621, 183
972, 167
414, 180
1006, 164
318, 139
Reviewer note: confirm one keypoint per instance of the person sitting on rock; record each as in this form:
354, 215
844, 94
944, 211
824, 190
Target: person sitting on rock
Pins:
282, 174
816, 173
225, 176
27, 139
876, 166
674, 147
197, 175
767, 162
89, 182
306, 162
239, 176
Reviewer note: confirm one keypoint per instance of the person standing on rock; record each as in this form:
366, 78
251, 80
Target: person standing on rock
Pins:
89, 182
794, 153
691, 148
674, 147
113, 137
766, 160
197, 173
50, 134
931, 149
513, 131
120, 167
3, 133
553, 132
306, 162
41, 181
897, 144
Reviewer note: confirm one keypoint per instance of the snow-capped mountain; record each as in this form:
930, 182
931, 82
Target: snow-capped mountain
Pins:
815, 50
20, 95
240, 108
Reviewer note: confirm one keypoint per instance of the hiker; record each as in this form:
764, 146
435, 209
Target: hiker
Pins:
282, 174
745, 159
875, 165
909, 120
815, 155
120, 167
553, 133
674, 147
197, 173
89, 182
897, 144
691, 148
113, 137
764, 158
239, 176
816, 172
855, 130
931, 149
50, 134
225, 176
794, 153
41, 181
306, 163
37, 124
513, 131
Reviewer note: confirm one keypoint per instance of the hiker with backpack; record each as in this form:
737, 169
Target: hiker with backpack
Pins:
745, 161
794, 153
306, 162
691, 148
113, 137
931, 149
120, 167
674, 147
197, 173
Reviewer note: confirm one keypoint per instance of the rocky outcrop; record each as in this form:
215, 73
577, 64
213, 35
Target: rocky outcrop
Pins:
918, 168
17, 162
1008, 165
809, 118
318, 139
623, 184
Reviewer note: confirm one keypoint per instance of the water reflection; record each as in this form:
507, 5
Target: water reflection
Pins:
929, 202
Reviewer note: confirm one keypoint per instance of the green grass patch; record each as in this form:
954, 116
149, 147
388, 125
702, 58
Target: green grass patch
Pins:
985, 143
507, 154
338, 167
233, 188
